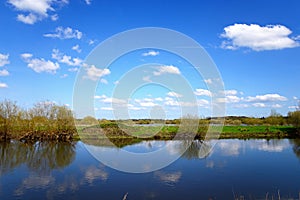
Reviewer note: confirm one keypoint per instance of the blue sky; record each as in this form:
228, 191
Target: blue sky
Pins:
255, 45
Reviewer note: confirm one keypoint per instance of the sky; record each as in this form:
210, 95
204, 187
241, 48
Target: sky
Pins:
255, 46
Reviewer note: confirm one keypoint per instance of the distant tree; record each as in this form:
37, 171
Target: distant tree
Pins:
8, 116
275, 118
89, 120
294, 118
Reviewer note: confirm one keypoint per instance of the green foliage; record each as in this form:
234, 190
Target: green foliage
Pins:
44, 121
89, 120
294, 118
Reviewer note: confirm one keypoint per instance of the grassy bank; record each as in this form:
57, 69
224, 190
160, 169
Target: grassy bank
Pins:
114, 131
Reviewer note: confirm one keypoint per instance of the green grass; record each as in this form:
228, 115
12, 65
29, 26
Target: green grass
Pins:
113, 131
259, 132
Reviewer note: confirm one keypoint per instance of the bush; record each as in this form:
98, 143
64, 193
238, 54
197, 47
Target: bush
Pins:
294, 118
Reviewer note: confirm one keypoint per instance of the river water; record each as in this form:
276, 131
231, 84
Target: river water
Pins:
234, 169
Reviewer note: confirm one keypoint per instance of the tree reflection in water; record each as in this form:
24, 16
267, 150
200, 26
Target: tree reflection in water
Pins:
41, 157
194, 149
296, 147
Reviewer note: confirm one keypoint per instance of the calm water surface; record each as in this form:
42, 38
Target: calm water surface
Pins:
252, 169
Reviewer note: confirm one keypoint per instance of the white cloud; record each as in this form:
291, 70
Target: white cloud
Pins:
276, 106
241, 106
74, 69
76, 48
202, 92
174, 94
27, 19
259, 105
106, 108
35, 10
113, 100
148, 104
88, 2
94, 73
65, 33
158, 99
230, 92
151, 53
202, 102
232, 99
40, 65
166, 69
4, 72
208, 81
100, 96
60, 57
4, 59
91, 42
131, 107
104, 81
258, 38
293, 107
3, 85
64, 76
26, 56
266, 98
54, 17
40, 6
171, 102
147, 79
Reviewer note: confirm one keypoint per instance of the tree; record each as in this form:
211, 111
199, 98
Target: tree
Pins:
8, 116
294, 118
89, 120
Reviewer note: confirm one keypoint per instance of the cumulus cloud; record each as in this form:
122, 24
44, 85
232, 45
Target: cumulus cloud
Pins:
106, 108
60, 57
174, 94
151, 53
35, 10
230, 92
4, 72
3, 85
4, 59
54, 17
76, 48
166, 69
232, 99
259, 105
94, 73
27, 19
202, 92
65, 33
88, 2
266, 98
146, 102
74, 69
39, 64
258, 38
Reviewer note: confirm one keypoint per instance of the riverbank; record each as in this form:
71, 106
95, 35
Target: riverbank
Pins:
113, 131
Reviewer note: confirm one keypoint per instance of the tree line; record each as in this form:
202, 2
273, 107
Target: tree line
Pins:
44, 121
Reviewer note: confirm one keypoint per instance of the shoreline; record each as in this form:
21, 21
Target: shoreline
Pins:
113, 132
